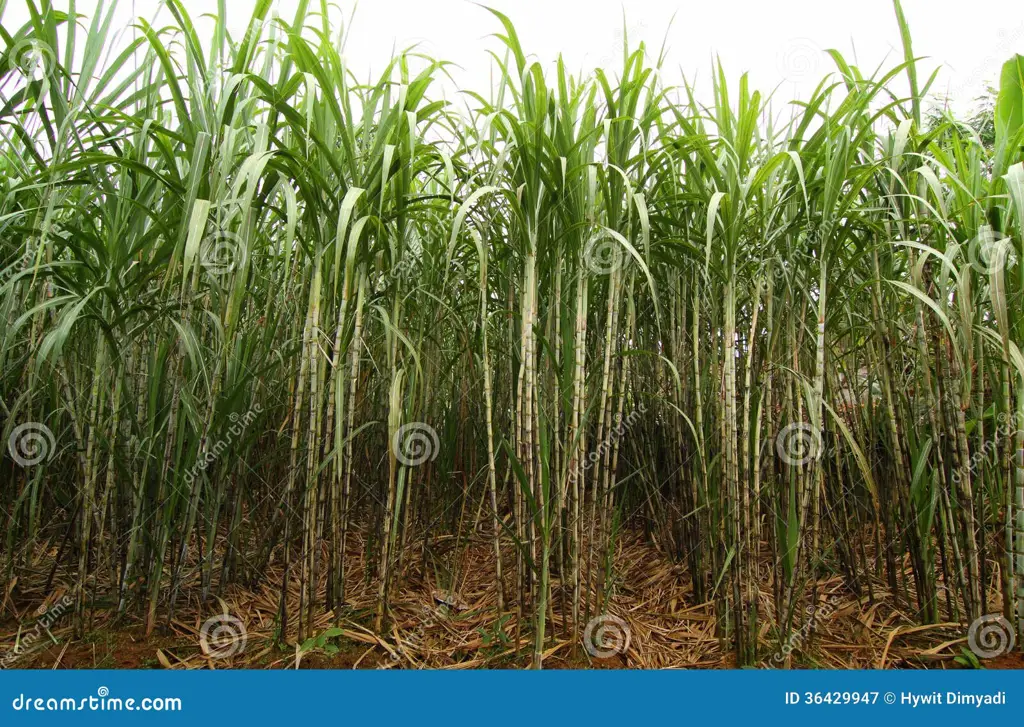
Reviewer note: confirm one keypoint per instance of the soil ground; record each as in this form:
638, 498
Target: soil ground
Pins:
452, 624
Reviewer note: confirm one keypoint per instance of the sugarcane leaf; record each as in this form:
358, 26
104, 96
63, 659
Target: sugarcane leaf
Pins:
1009, 110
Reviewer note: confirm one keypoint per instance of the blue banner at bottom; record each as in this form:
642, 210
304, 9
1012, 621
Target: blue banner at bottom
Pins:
506, 697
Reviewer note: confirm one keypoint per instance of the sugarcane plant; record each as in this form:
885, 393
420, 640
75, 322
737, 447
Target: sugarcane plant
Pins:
265, 323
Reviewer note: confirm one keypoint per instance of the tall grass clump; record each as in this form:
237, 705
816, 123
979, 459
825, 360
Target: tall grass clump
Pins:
253, 306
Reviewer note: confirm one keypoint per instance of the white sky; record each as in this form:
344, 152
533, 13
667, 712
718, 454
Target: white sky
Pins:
779, 42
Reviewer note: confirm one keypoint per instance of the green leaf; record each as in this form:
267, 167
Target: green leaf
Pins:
1010, 101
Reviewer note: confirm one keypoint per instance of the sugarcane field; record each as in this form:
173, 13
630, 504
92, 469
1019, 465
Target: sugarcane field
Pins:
617, 367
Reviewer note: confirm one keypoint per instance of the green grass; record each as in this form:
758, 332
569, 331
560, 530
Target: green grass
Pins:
233, 278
